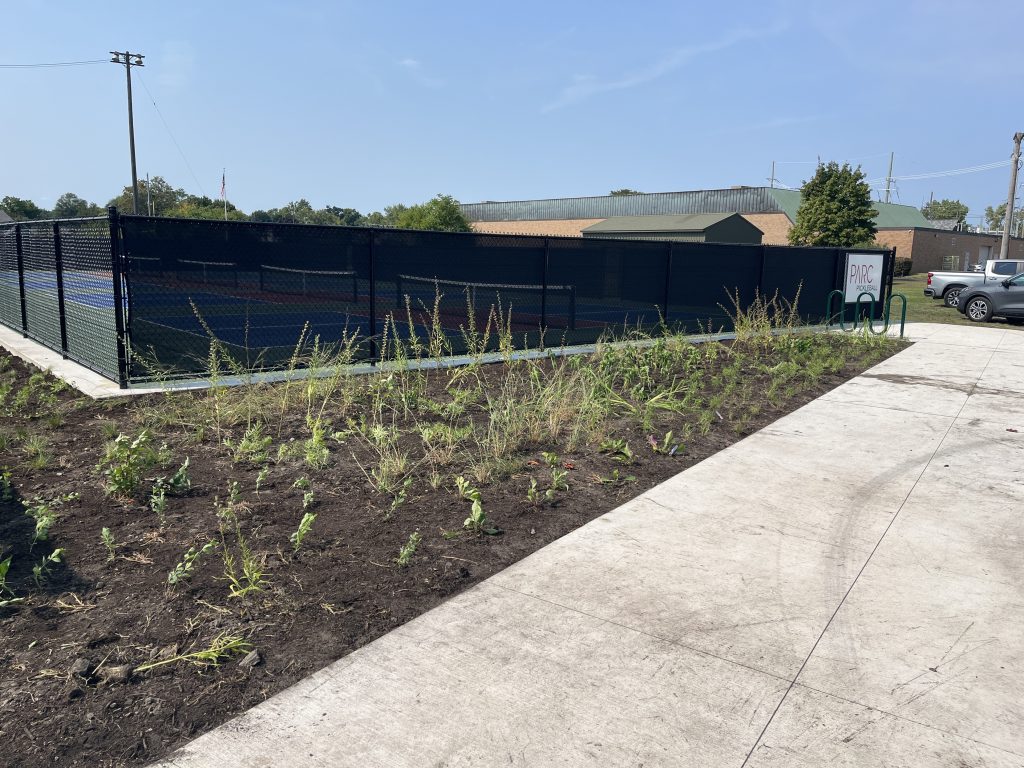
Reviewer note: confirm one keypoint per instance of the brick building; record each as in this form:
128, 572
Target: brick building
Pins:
773, 211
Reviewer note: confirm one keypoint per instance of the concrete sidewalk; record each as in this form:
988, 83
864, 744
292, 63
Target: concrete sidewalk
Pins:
843, 588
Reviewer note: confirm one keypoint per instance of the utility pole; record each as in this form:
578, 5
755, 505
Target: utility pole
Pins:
772, 180
130, 60
1004, 246
888, 179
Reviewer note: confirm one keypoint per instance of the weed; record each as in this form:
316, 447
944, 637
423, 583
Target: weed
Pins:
301, 483
305, 526
254, 446
42, 511
222, 647
408, 549
550, 458
400, 496
666, 447
184, 570
37, 448
4, 588
244, 573
615, 479
558, 483
42, 571
7, 491
308, 500
158, 501
477, 521
618, 449
317, 454
261, 478
127, 460
108, 541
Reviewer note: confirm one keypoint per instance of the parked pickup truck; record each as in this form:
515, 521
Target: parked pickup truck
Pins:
947, 285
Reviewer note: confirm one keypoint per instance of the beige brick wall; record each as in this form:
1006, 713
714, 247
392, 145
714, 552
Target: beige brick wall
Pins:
775, 226
570, 227
929, 248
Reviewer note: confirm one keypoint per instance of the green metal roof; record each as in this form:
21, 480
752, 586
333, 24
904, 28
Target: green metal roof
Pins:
889, 215
687, 222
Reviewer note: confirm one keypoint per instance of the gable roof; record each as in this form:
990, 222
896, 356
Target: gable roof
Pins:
4, 217
889, 214
687, 222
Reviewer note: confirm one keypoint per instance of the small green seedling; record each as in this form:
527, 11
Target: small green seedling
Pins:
308, 500
408, 549
618, 449
42, 571
6, 486
305, 526
302, 484
183, 571
158, 501
615, 479
180, 483
4, 589
261, 477
667, 447
550, 458
109, 543
477, 521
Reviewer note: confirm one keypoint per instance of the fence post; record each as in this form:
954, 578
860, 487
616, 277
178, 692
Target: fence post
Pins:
58, 266
668, 282
116, 275
21, 280
373, 301
544, 289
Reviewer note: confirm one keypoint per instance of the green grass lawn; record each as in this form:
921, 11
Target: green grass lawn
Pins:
921, 308
924, 309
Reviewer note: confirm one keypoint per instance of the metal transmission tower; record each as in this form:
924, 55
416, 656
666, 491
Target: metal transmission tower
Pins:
130, 60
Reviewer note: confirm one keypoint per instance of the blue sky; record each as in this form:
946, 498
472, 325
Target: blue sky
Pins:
366, 104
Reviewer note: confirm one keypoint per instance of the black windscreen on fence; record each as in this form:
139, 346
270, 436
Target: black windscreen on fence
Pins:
148, 304
62, 273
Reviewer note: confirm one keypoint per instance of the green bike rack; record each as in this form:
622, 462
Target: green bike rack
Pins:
886, 315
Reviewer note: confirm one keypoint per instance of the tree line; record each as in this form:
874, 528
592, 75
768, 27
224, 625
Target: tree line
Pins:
163, 199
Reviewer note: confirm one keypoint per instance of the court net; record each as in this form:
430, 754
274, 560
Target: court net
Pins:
550, 304
315, 283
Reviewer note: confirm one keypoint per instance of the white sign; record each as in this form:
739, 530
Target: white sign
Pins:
863, 275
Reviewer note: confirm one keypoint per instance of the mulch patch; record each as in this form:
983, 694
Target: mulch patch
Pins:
68, 689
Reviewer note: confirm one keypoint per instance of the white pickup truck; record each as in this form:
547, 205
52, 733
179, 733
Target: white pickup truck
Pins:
947, 285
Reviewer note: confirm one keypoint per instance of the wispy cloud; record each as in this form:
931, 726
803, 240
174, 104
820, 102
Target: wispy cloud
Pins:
585, 86
415, 70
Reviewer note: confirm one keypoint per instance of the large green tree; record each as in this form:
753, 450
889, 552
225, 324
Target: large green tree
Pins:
349, 217
71, 206
624, 192
297, 212
948, 210
441, 213
995, 217
163, 197
23, 210
203, 207
835, 209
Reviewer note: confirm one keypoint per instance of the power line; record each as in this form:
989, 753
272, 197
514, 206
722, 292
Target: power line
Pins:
943, 174
53, 64
171, 134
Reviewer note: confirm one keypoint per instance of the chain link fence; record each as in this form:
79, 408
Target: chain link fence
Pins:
140, 298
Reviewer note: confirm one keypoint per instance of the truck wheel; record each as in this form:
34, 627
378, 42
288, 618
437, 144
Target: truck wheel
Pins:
952, 297
979, 309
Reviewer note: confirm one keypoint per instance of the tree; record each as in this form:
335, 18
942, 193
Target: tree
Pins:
389, 218
349, 217
625, 191
835, 209
297, 212
949, 210
442, 213
71, 206
994, 218
203, 207
163, 197
23, 210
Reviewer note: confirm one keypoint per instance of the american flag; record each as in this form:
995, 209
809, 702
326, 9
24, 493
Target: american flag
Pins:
222, 186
